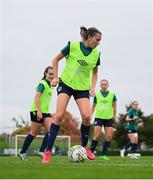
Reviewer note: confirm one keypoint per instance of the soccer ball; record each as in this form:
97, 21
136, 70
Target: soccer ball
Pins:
77, 153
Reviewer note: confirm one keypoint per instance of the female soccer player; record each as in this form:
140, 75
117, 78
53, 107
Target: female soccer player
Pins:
39, 112
82, 59
105, 106
131, 129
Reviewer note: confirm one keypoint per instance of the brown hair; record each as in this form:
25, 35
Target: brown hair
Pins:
84, 32
46, 70
104, 80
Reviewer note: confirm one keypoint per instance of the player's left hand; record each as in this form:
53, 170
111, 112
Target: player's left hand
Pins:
114, 122
92, 92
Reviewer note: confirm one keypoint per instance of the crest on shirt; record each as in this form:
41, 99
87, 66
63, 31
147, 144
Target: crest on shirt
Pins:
82, 62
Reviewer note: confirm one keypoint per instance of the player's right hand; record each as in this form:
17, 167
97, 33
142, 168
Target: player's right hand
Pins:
135, 118
39, 115
114, 122
54, 82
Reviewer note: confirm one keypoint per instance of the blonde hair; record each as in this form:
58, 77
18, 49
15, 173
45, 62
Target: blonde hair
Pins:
131, 104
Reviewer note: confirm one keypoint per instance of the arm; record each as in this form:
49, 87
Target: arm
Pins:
94, 80
128, 118
93, 108
37, 101
114, 111
57, 58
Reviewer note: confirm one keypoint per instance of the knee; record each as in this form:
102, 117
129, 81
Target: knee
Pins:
97, 136
132, 141
34, 133
86, 119
58, 117
136, 141
109, 137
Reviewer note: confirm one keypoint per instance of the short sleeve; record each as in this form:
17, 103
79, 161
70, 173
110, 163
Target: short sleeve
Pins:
66, 50
40, 88
98, 61
114, 99
129, 113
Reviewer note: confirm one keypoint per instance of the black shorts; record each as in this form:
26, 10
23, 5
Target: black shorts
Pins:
130, 131
63, 88
33, 116
103, 122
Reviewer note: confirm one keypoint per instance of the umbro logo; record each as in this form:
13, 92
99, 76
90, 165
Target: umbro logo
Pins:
82, 62
104, 101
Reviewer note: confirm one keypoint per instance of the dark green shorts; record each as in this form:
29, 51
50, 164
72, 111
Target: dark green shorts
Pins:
33, 116
130, 131
63, 88
103, 122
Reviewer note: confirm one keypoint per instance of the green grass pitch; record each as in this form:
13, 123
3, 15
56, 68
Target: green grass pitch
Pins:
61, 168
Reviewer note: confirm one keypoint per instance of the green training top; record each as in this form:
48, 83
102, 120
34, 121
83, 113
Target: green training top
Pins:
85, 50
46, 89
77, 71
104, 93
40, 88
104, 105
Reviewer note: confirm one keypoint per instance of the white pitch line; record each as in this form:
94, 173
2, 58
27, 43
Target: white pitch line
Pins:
110, 164
86, 164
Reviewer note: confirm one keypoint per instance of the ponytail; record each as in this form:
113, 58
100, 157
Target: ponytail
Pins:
84, 32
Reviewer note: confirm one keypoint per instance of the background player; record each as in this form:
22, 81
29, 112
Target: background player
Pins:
39, 112
105, 106
131, 126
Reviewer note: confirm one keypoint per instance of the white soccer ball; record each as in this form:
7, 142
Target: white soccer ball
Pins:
77, 153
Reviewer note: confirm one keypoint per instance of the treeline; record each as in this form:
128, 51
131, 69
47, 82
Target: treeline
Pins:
70, 126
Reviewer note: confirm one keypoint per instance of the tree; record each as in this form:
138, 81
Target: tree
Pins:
146, 133
22, 125
69, 126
